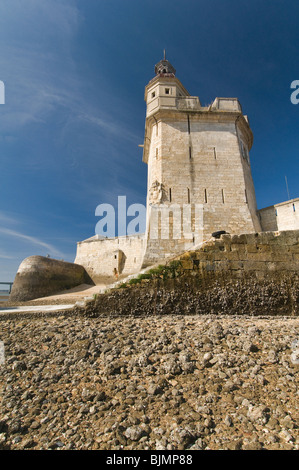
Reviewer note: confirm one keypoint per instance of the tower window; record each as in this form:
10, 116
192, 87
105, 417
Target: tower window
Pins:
294, 208
215, 155
206, 196
246, 199
188, 195
190, 153
167, 91
188, 124
170, 194
153, 94
222, 192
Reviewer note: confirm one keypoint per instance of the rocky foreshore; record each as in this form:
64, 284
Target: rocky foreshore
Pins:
156, 382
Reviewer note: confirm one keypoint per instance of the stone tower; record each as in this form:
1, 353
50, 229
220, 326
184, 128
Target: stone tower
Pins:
199, 176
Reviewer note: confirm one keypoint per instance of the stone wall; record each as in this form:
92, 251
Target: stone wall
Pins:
260, 253
254, 274
39, 277
283, 216
100, 256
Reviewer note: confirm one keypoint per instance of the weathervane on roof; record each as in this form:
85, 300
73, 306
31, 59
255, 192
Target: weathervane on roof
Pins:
164, 67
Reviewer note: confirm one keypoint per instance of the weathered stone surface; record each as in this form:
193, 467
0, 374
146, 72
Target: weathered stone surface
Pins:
65, 400
193, 295
101, 256
38, 276
205, 283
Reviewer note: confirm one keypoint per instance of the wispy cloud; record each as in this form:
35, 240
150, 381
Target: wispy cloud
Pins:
55, 120
4, 256
33, 240
29, 62
8, 219
31, 34
108, 125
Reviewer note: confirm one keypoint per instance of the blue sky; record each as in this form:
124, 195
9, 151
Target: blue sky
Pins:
74, 74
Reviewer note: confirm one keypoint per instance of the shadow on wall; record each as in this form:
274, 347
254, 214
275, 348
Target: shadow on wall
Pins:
268, 219
122, 261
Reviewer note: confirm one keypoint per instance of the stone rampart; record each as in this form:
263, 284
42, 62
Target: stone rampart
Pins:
254, 274
38, 276
260, 253
101, 256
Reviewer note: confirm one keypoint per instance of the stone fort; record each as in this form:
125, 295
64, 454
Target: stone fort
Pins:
199, 165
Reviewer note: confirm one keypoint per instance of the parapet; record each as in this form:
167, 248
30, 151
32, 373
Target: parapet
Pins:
188, 103
226, 104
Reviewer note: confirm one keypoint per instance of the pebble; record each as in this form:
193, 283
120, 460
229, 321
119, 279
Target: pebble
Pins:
295, 357
166, 382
